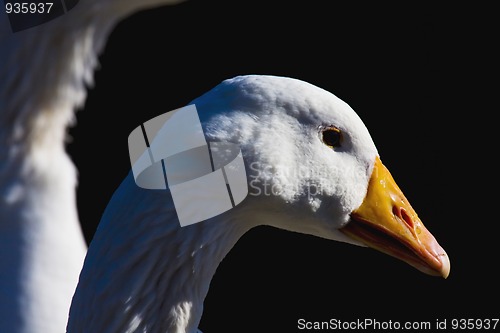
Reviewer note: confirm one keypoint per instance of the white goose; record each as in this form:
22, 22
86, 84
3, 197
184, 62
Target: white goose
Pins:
145, 273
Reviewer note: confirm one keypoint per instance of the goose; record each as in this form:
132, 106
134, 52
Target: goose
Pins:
41, 246
311, 167
44, 74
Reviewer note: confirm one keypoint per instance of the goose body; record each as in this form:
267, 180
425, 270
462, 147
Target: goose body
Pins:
43, 76
145, 273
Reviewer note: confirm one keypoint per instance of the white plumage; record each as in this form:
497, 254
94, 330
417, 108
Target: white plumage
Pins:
144, 273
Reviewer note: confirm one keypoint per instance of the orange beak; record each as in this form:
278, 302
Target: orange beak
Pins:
386, 222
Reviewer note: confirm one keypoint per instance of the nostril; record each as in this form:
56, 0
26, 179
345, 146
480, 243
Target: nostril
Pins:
407, 218
403, 215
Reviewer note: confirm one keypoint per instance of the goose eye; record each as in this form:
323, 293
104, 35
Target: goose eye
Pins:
331, 136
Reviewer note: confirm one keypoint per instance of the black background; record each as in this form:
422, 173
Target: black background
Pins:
422, 80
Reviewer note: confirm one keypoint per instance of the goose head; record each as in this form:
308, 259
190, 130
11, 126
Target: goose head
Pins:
313, 167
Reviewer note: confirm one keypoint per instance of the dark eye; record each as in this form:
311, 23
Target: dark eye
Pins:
331, 136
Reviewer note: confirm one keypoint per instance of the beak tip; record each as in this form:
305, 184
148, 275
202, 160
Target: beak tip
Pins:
445, 265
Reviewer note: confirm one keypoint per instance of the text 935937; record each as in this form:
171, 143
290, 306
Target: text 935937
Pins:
28, 7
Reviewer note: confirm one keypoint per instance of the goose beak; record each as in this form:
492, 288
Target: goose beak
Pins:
386, 222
